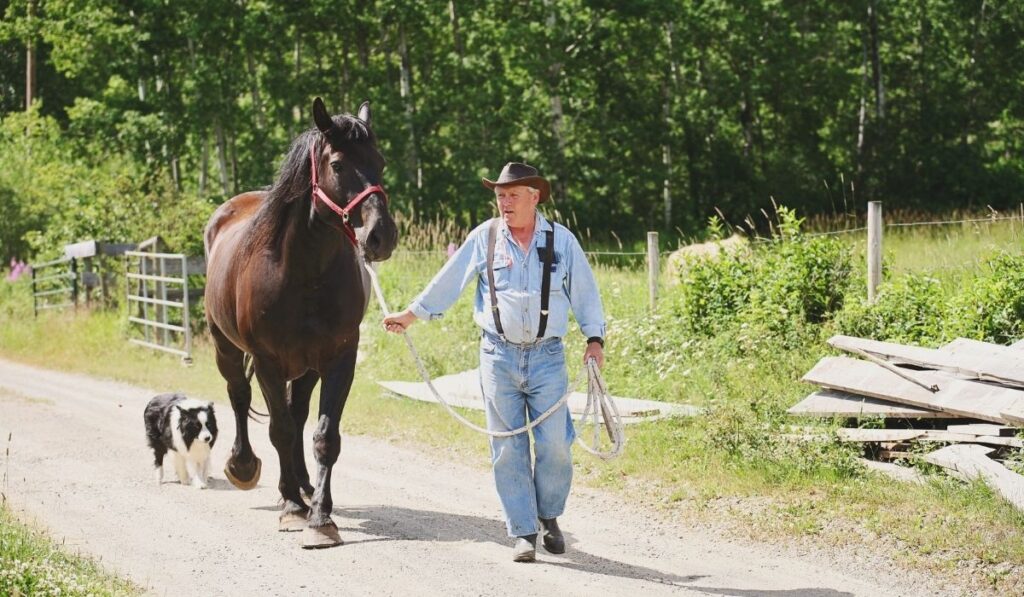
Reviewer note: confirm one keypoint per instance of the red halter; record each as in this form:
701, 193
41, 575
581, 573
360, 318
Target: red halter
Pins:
343, 211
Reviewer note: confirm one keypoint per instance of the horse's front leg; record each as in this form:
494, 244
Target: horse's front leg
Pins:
299, 391
243, 467
282, 434
322, 532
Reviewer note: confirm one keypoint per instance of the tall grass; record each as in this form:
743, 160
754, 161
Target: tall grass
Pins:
31, 564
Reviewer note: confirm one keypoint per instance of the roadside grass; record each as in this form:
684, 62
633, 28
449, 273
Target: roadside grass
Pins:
728, 466
32, 564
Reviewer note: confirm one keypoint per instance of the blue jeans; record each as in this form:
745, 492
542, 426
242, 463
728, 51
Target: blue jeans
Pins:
520, 381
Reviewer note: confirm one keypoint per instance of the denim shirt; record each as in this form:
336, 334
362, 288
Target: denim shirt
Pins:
517, 282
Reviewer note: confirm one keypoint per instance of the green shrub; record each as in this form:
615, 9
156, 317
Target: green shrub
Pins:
776, 290
908, 310
991, 308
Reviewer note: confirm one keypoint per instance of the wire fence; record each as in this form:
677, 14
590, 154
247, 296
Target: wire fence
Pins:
761, 239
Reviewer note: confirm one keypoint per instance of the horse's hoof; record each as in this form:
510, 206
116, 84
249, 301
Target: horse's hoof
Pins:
321, 537
241, 483
292, 522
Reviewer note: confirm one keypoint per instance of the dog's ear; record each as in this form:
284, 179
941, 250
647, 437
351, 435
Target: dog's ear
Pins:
210, 405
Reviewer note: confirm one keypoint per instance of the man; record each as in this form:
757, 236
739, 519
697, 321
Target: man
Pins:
522, 360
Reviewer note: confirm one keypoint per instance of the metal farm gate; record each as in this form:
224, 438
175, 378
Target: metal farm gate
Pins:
54, 284
158, 301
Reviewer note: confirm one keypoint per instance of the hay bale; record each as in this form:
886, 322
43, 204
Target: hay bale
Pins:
677, 261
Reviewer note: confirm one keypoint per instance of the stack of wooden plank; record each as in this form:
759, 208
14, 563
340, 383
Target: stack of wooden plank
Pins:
966, 393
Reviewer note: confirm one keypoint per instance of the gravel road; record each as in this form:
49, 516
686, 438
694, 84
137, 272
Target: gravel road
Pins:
412, 524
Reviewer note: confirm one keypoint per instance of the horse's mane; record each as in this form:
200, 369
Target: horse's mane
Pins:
294, 181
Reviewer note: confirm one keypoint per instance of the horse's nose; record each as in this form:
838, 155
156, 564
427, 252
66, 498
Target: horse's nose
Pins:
380, 242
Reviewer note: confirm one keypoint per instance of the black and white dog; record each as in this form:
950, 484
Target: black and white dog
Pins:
185, 427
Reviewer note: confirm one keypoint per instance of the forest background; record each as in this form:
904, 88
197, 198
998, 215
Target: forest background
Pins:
646, 115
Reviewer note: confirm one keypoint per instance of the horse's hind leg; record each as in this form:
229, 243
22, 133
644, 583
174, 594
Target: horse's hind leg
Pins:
243, 467
322, 532
299, 392
282, 434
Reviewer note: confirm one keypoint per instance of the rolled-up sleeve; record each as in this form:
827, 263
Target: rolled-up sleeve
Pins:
448, 284
584, 297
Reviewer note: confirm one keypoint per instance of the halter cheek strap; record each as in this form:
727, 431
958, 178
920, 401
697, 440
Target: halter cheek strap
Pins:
344, 212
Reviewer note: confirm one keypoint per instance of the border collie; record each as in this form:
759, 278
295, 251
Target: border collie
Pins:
185, 427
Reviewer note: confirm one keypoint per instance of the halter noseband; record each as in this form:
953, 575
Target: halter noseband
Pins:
354, 203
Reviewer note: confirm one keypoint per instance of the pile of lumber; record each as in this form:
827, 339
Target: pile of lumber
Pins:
967, 396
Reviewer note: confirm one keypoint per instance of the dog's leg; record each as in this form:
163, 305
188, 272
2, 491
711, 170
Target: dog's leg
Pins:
179, 467
195, 472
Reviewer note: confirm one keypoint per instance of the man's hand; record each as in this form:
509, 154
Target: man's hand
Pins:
596, 351
397, 323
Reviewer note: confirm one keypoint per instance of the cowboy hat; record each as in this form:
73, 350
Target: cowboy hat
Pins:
516, 173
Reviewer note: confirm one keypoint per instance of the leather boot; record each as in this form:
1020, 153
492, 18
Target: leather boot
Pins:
525, 549
554, 542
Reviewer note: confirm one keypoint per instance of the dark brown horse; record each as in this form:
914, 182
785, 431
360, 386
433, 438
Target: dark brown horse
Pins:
286, 284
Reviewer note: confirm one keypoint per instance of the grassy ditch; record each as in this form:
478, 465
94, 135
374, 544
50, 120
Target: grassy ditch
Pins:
31, 564
734, 336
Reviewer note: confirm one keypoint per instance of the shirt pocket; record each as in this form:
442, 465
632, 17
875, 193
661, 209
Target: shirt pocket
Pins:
502, 273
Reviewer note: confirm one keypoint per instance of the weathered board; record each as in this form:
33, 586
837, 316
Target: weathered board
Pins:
972, 462
969, 438
833, 403
877, 435
982, 429
966, 358
956, 396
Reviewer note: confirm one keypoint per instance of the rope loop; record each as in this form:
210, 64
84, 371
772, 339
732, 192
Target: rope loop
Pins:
600, 405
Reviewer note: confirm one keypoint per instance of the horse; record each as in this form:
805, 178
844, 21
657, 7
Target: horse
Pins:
286, 286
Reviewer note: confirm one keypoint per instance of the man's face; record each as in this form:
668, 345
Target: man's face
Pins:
517, 204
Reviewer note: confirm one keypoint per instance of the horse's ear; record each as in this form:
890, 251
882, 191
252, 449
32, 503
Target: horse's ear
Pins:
321, 117
364, 112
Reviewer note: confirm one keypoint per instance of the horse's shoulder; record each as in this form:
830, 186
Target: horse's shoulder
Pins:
238, 209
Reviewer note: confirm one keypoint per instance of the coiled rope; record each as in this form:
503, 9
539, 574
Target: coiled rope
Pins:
600, 405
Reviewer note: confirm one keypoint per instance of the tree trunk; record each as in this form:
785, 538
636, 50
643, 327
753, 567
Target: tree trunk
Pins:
222, 156
876, 62
204, 163
561, 183
254, 87
30, 62
668, 88
453, 18
410, 110
296, 109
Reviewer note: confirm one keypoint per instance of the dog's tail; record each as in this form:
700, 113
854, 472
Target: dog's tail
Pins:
250, 369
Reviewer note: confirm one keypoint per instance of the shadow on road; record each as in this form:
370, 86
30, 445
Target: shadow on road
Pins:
384, 523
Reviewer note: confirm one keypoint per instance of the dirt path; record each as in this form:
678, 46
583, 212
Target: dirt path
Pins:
413, 525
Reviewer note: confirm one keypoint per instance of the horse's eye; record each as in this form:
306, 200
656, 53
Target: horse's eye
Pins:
336, 165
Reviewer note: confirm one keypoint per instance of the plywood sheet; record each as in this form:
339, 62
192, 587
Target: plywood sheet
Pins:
965, 358
972, 462
834, 403
877, 435
463, 390
955, 396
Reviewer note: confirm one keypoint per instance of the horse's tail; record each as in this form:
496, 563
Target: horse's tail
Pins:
250, 369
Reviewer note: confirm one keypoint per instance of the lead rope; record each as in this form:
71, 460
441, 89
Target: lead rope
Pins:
597, 396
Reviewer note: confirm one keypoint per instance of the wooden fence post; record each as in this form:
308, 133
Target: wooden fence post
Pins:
874, 248
652, 268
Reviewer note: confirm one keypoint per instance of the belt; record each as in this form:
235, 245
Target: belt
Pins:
532, 343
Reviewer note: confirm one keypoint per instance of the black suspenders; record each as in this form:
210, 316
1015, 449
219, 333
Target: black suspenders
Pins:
545, 284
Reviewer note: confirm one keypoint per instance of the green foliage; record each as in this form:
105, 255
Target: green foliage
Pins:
649, 115
775, 290
59, 192
31, 565
916, 309
991, 308
908, 310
